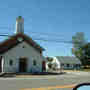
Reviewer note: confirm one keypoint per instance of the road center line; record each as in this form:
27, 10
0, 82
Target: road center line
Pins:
51, 87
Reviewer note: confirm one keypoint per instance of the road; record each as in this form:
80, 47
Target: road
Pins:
44, 82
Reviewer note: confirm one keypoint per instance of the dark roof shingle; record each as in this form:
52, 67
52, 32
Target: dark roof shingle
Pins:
13, 41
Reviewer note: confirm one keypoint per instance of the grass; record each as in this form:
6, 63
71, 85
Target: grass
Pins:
86, 70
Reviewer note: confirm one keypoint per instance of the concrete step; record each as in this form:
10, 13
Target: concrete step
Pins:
8, 75
2, 74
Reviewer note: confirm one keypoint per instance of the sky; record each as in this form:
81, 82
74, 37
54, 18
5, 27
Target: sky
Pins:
49, 19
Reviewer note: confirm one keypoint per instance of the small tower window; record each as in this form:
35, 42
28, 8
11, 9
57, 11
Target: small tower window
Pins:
11, 62
34, 62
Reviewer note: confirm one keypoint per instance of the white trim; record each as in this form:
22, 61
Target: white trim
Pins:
2, 64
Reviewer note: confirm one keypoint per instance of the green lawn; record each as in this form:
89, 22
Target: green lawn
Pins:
86, 70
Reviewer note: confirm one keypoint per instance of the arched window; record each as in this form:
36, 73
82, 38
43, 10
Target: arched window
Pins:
11, 62
34, 62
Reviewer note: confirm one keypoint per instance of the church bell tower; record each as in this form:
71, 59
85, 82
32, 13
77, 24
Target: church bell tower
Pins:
19, 25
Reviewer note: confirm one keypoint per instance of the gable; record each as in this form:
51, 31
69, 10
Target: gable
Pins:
22, 50
15, 40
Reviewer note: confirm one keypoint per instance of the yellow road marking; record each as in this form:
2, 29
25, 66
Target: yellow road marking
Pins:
51, 87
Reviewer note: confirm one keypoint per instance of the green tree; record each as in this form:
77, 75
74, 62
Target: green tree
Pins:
86, 55
79, 42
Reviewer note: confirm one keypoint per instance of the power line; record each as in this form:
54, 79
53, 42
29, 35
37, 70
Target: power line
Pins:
4, 35
6, 27
55, 41
41, 34
44, 38
47, 40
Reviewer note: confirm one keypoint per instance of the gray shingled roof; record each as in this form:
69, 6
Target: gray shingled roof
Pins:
68, 59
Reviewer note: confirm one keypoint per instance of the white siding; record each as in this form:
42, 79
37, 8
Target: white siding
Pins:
17, 52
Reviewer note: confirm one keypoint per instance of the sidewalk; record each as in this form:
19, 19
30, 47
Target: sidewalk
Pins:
38, 75
71, 71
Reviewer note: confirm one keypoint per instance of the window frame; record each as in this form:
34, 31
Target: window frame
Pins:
11, 62
34, 62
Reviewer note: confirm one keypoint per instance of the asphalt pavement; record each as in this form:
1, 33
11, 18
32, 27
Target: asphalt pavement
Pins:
32, 82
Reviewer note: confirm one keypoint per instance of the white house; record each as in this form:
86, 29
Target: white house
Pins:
69, 62
19, 53
63, 62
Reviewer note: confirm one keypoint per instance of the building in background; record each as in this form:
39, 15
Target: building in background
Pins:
62, 63
69, 62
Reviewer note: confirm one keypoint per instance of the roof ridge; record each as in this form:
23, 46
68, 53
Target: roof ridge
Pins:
12, 41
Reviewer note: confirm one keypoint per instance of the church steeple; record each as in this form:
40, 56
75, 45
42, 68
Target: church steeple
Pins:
19, 25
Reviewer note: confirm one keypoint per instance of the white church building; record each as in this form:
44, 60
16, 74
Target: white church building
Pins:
19, 53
